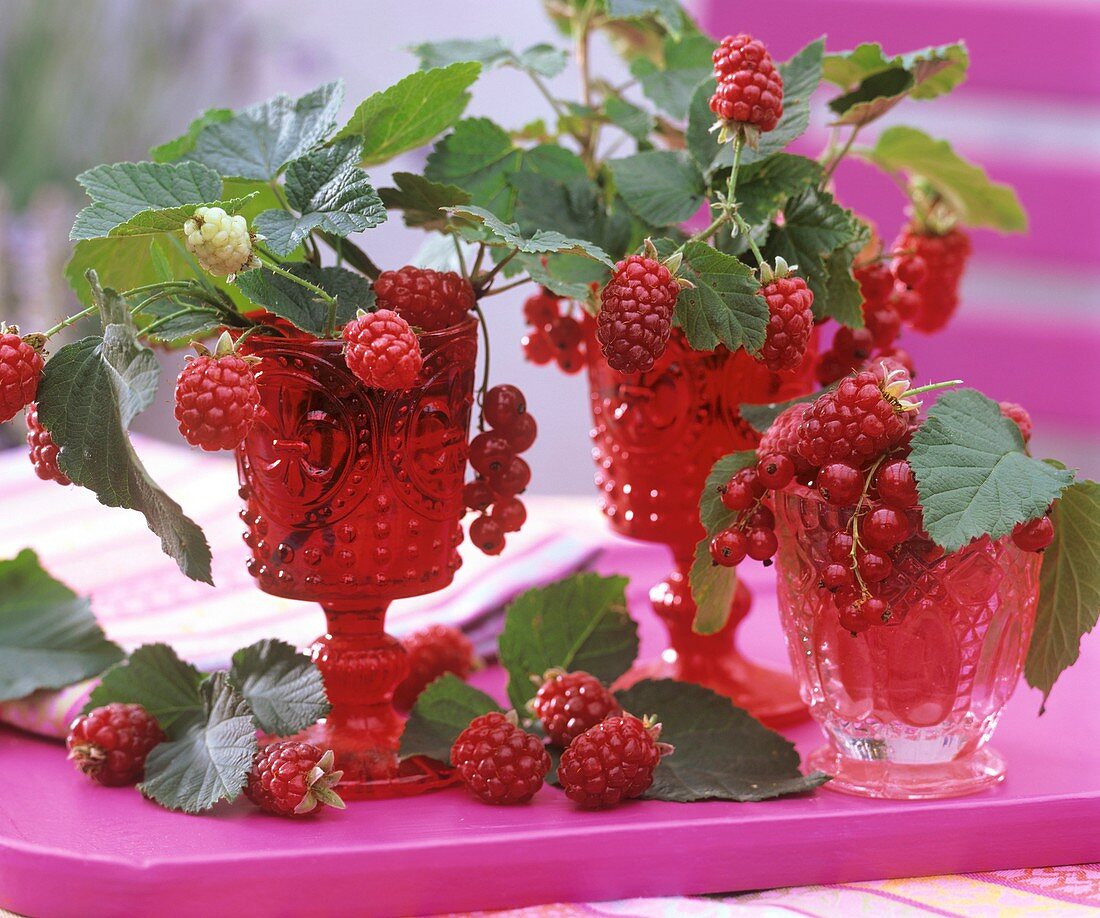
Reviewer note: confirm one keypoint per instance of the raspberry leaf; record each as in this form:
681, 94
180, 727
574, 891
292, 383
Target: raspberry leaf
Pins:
443, 710
478, 224
172, 150
257, 142
542, 60
1069, 587
724, 306
299, 305
670, 84
552, 281
411, 112
764, 187
973, 476
661, 187
721, 752
976, 199
157, 679
281, 685
579, 623
211, 760
630, 118
90, 392
421, 199
477, 156
668, 13
48, 635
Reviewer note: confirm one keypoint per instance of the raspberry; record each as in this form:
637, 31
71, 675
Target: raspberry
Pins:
431, 652
863, 417
610, 762
945, 258
20, 370
729, 547
635, 316
790, 322
110, 744
427, 299
290, 778
498, 762
542, 308
570, 703
217, 398
43, 450
750, 88
487, 534
382, 350
1019, 416
876, 283
1034, 535
221, 243
781, 438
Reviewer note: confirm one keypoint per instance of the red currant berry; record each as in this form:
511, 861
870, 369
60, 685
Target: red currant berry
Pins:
571, 361
729, 547
911, 270
565, 334
522, 432
874, 566
840, 546
896, 484
775, 472
541, 308
477, 495
874, 611
885, 527
503, 406
1034, 535
488, 535
851, 618
510, 513
490, 453
762, 544
537, 348
836, 576
760, 518
738, 495
513, 479
840, 484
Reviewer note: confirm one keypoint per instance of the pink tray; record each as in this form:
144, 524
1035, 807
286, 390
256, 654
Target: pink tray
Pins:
70, 848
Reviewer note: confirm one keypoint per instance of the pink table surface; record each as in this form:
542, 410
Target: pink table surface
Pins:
70, 848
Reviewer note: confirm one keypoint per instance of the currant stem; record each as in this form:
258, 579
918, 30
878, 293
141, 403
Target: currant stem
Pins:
483, 282
493, 291
485, 373
461, 257
864, 591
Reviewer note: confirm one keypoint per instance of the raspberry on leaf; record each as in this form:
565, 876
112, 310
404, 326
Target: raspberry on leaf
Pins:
291, 778
611, 762
570, 703
431, 652
217, 398
382, 350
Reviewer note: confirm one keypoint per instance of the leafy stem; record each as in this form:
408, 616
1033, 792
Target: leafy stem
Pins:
481, 283
70, 320
833, 159
330, 319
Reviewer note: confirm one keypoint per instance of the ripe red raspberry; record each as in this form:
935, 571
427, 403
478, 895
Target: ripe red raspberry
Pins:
781, 438
945, 258
216, 400
863, 417
43, 450
290, 778
1019, 416
110, 744
431, 652
636, 313
750, 88
382, 350
790, 322
611, 762
570, 703
424, 298
499, 762
20, 370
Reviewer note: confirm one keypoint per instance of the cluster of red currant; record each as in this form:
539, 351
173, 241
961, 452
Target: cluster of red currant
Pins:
555, 335
501, 473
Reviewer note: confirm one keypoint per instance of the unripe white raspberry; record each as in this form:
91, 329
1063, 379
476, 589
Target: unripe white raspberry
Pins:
221, 243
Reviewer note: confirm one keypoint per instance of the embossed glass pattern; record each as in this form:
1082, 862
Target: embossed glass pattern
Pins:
908, 707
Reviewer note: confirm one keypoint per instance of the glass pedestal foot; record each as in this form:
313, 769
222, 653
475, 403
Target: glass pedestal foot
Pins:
970, 774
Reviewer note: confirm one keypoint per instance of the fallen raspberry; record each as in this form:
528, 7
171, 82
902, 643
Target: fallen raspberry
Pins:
498, 762
635, 317
382, 350
290, 778
43, 450
431, 652
110, 744
611, 762
750, 88
426, 299
221, 242
570, 703
20, 370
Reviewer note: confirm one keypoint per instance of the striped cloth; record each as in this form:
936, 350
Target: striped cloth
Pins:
139, 596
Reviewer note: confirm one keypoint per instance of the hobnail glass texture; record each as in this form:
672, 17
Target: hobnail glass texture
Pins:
353, 498
908, 707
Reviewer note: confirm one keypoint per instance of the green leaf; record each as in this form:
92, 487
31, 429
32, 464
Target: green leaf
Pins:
712, 512
670, 88
157, 679
842, 298
257, 142
210, 762
721, 752
660, 186
48, 635
542, 60
410, 113
724, 306
973, 475
422, 199
668, 13
1069, 587
477, 156
281, 685
497, 232
443, 710
293, 302
183, 322
764, 187
635, 121
573, 290
976, 199
760, 417
801, 77
173, 150
580, 622
332, 194
90, 392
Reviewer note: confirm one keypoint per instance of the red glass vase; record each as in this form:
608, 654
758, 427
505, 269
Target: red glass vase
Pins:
656, 436
353, 498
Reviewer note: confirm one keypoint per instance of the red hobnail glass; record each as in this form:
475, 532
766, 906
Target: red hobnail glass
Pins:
655, 437
353, 498
908, 707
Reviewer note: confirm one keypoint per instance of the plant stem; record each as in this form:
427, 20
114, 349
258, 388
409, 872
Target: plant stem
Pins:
855, 524
478, 258
461, 258
932, 387
163, 320
836, 157
355, 256
590, 140
71, 320
542, 88
509, 286
483, 282
330, 301
485, 373
731, 186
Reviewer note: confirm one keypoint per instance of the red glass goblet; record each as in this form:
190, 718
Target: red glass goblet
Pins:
353, 498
